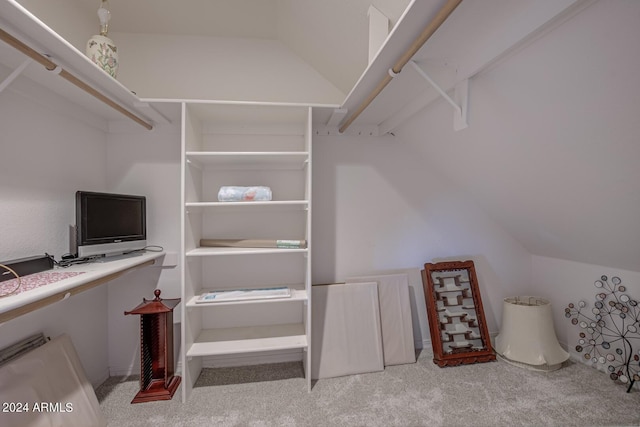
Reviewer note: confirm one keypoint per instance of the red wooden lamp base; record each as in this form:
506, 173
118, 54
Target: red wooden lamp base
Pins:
157, 381
158, 391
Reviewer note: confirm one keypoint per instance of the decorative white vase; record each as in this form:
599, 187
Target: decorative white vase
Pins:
103, 51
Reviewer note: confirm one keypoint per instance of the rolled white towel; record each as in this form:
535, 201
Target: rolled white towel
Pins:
243, 194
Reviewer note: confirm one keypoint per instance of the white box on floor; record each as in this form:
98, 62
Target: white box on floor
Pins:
346, 336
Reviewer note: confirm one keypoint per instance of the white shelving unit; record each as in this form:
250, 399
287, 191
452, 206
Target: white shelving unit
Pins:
245, 144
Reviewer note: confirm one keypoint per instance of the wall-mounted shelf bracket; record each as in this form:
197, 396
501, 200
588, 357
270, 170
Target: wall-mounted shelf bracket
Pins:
11, 77
461, 94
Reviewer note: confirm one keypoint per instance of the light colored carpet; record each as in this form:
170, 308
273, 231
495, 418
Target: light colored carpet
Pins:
420, 394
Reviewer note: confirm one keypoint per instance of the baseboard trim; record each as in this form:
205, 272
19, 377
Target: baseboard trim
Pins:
123, 371
101, 379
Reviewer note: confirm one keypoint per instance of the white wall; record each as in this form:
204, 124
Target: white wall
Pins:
44, 158
567, 282
73, 20
192, 67
146, 163
333, 35
379, 206
551, 149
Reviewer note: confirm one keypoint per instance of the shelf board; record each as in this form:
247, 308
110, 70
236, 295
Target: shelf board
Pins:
216, 251
93, 274
248, 159
211, 342
276, 205
297, 295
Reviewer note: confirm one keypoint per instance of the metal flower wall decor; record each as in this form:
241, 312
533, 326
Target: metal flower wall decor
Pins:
609, 330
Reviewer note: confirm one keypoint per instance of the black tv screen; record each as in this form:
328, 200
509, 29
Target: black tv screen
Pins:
109, 223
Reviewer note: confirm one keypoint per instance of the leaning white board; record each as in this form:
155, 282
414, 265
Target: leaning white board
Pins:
51, 380
395, 317
346, 337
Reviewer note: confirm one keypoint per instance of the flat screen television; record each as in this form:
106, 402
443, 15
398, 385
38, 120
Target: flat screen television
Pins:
109, 224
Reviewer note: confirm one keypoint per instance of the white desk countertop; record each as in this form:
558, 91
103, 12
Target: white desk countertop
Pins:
92, 272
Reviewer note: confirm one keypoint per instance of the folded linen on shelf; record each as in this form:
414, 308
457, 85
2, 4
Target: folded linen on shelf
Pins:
244, 294
254, 243
234, 193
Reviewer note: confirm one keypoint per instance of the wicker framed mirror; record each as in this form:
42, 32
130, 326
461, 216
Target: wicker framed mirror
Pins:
457, 324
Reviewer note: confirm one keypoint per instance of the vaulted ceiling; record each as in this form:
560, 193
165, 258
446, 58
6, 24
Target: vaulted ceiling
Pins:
330, 35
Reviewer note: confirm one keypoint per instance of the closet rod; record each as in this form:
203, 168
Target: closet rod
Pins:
428, 31
52, 66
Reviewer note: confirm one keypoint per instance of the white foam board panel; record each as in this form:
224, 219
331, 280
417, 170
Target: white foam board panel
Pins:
346, 337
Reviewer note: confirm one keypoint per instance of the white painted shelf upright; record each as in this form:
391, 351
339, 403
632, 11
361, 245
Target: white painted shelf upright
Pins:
245, 144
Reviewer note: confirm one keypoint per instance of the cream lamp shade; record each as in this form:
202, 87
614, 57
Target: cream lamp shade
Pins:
527, 337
